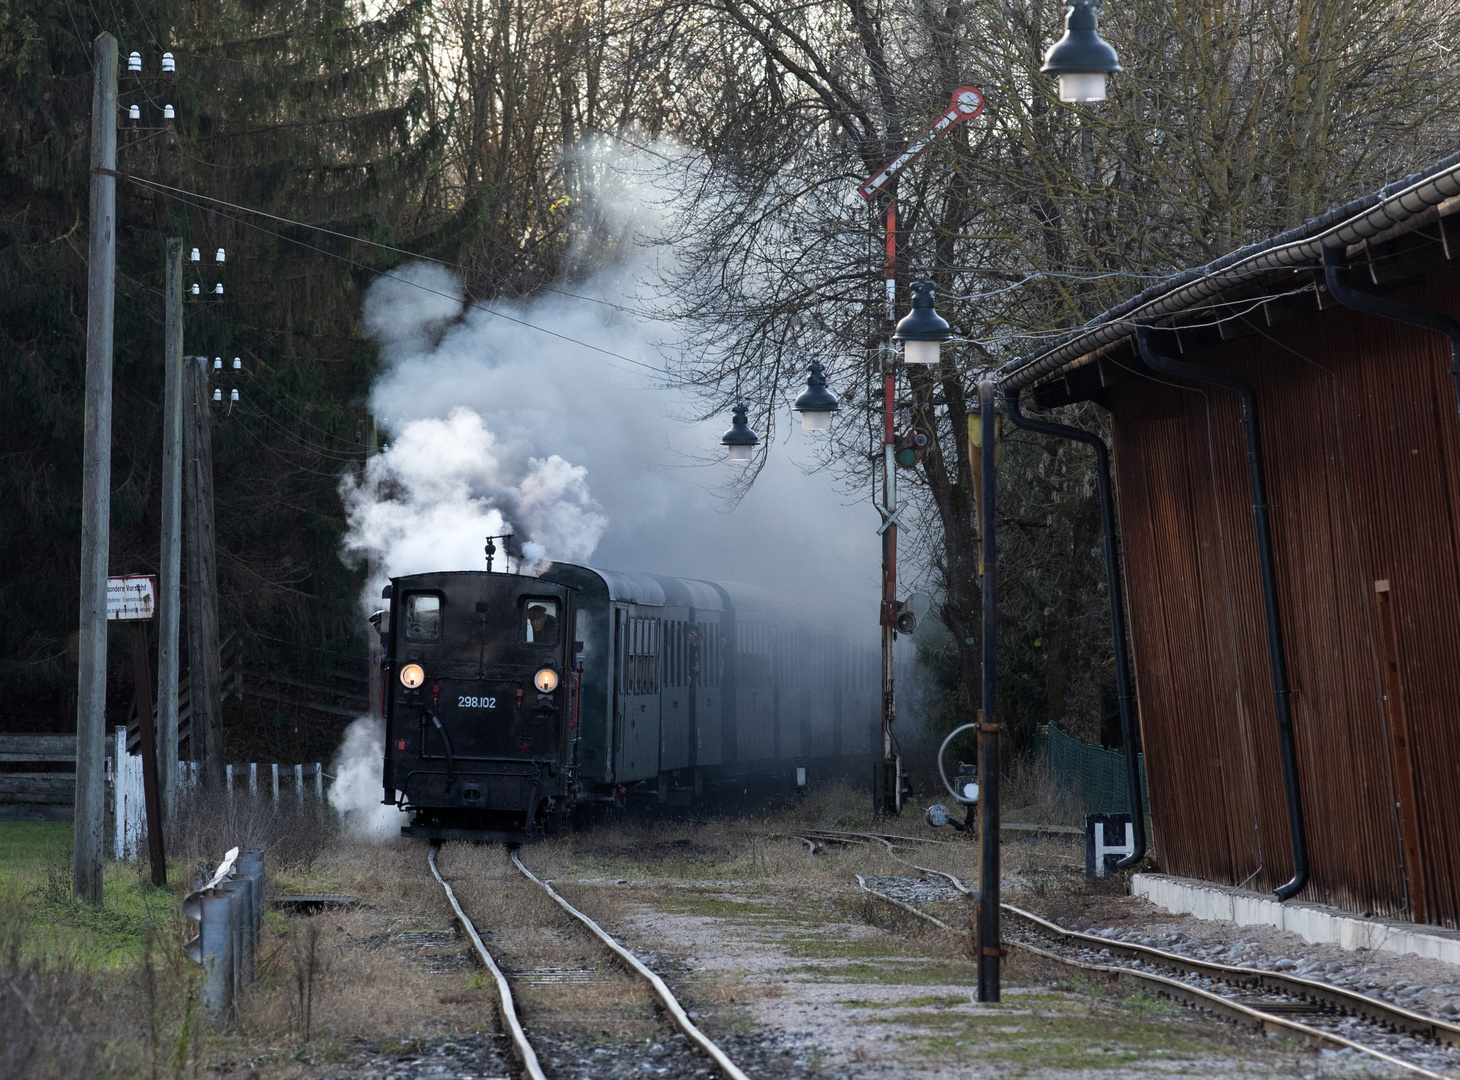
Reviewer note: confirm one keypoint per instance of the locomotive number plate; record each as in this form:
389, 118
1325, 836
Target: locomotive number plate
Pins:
476, 703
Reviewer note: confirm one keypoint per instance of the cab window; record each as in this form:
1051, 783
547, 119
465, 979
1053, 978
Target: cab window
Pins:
540, 620
423, 617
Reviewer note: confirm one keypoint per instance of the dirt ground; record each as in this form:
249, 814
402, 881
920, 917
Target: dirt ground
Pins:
777, 954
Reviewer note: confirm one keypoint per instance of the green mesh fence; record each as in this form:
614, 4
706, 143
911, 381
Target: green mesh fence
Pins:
1093, 770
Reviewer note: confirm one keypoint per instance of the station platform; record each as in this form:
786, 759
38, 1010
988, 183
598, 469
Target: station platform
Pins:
1314, 923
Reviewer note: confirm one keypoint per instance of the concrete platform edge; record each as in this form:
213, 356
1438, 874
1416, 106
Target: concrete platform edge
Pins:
1314, 923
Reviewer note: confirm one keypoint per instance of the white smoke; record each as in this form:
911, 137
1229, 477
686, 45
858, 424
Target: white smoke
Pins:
355, 793
444, 486
511, 416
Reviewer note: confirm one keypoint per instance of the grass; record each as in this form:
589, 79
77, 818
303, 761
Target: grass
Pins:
35, 884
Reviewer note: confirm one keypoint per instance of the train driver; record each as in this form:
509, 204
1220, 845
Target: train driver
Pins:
542, 624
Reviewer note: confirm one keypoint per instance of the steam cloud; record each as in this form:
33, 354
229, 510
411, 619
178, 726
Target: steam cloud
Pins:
355, 794
494, 425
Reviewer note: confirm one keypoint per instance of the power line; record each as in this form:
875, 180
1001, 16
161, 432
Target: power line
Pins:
178, 194
457, 267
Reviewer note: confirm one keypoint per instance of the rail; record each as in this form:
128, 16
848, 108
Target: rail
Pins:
1273, 982
520, 1046
671, 1004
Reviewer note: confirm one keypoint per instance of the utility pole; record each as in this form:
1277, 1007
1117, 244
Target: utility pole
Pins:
204, 677
96, 480
377, 701
170, 578
150, 794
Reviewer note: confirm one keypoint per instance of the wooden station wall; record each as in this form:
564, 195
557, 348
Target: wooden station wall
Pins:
1361, 433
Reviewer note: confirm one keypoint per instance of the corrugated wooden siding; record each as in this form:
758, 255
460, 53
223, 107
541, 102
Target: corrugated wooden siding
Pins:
1360, 431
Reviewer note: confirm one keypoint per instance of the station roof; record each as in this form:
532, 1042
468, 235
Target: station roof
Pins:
1392, 211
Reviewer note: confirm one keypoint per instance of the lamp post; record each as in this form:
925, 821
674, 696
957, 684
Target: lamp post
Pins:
1081, 60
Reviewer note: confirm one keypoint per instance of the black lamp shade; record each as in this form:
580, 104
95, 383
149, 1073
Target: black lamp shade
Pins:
739, 439
1082, 51
816, 403
923, 323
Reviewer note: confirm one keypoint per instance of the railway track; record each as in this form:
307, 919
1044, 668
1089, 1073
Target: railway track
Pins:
512, 1025
1318, 1013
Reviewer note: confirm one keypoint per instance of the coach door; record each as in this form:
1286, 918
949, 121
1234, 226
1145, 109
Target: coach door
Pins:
638, 653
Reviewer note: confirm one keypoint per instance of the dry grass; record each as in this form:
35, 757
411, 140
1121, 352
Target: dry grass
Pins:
328, 982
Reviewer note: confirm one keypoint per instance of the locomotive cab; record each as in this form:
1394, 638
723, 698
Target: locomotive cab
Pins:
479, 688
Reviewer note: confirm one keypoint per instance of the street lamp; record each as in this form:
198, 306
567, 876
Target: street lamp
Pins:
922, 330
816, 403
1082, 58
739, 441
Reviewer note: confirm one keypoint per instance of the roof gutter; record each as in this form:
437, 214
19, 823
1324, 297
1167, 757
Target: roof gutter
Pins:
1298, 248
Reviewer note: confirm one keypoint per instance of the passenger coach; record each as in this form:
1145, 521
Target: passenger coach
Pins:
511, 701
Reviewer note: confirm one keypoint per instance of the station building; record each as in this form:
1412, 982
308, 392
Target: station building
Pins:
1358, 417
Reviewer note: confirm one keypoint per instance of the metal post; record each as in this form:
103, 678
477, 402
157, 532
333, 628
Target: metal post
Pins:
275, 767
152, 797
889, 777
215, 950
298, 787
241, 893
253, 779
96, 481
989, 938
170, 578
318, 781
251, 867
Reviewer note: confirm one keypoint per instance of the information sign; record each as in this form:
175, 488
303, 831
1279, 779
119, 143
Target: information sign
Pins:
131, 597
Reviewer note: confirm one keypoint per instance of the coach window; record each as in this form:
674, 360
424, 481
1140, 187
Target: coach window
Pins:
540, 621
423, 617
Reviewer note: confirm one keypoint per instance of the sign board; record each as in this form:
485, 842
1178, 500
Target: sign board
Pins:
131, 597
1108, 839
966, 104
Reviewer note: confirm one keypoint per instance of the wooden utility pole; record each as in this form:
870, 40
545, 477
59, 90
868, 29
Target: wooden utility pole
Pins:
204, 676
151, 796
170, 579
96, 480
377, 703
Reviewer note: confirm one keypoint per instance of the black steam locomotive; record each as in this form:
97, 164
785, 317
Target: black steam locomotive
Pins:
513, 701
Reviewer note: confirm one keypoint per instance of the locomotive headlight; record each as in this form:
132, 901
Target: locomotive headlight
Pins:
546, 680
412, 676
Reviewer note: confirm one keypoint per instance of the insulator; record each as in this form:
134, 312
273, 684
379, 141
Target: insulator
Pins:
237, 364
134, 62
196, 290
134, 113
169, 65
217, 395
219, 256
196, 256
217, 363
167, 113
233, 395
218, 289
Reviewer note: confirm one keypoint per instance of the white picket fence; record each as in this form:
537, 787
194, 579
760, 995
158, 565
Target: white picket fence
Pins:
130, 806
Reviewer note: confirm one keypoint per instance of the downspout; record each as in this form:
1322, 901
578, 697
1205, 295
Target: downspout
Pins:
1385, 308
1195, 373
1117, 609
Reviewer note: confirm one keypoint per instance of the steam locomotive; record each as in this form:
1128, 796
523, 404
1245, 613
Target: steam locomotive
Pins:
512, 701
